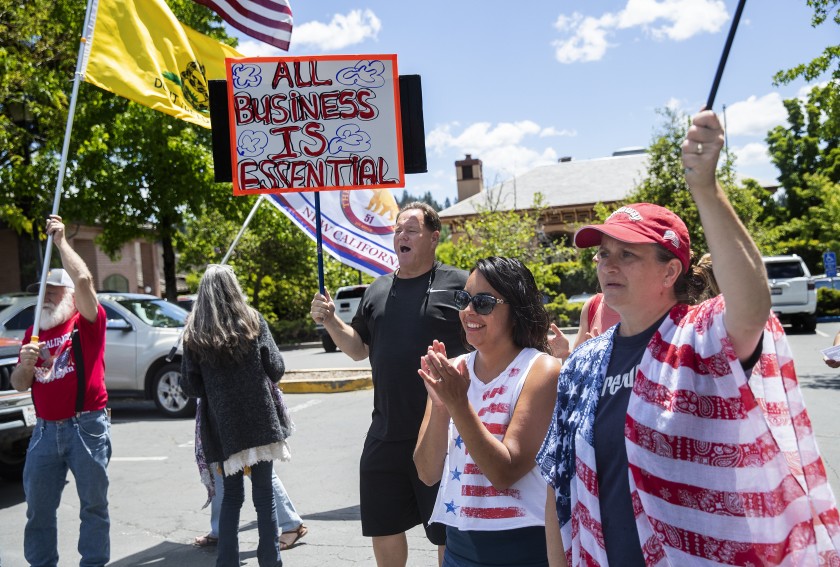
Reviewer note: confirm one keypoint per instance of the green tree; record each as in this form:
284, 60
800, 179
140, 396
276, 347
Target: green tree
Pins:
131, 170
515, 234
38, 46
665, 186
275, 262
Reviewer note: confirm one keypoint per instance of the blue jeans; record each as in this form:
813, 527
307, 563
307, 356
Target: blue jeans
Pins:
82, 445
268, 550
287, 517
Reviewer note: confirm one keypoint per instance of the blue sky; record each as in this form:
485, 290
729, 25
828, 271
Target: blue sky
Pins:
521, 84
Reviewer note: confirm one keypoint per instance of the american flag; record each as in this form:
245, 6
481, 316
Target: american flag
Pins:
724, 468
266, 20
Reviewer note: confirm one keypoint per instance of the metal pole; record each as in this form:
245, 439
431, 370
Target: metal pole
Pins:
90, 20
711, 100
318, 242
242, 230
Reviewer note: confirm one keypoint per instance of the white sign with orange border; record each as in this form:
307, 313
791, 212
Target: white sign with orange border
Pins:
314, 123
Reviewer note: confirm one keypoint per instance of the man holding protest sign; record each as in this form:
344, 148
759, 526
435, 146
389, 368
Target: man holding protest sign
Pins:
398, 317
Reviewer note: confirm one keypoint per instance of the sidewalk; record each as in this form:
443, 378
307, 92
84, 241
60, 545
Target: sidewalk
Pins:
326, 381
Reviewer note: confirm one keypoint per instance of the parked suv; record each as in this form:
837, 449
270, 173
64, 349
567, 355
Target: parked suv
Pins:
141, 330
792, 291
346, 301
17, 416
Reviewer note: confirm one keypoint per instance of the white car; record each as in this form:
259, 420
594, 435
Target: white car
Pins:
141, 331
792, 291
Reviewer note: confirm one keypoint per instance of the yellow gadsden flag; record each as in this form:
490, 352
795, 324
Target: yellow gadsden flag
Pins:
141, 52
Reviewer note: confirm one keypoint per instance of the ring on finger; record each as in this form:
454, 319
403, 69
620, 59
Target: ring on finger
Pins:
699, 148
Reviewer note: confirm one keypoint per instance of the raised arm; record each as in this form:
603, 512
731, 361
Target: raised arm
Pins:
343, 335
736, 261
85, 295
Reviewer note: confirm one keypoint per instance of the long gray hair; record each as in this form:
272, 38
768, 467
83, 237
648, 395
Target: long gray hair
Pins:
221, 324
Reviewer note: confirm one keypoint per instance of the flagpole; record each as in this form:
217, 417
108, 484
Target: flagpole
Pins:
318, 243
90, 19
233, 244
725, 55
242, 230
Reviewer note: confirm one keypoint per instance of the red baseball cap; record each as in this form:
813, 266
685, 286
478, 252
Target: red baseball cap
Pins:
641, 223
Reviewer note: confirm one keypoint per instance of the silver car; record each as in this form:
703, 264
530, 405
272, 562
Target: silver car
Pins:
141, 331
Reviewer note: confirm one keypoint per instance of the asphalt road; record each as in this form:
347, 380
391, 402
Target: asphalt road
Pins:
156, 496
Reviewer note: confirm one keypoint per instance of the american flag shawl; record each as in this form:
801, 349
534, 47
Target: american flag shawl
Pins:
723, 469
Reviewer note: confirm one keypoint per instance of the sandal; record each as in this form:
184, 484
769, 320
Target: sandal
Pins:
289, 539
205, 541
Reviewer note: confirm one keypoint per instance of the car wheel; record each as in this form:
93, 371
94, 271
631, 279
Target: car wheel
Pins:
809, 323
329, 344
11, 463
169, 397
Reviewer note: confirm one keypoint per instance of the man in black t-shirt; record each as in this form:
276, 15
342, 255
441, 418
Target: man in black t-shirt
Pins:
398, 318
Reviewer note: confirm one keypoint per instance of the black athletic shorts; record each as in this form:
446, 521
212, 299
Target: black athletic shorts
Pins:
393, 499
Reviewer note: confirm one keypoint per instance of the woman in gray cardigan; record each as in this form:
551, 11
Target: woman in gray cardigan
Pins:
230, 361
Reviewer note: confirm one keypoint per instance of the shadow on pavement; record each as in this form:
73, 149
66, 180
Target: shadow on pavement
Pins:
821, 381
338, 515
169, 553
11, 493
130, 410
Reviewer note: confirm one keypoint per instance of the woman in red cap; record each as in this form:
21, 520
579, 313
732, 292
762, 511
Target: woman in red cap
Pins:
673, 440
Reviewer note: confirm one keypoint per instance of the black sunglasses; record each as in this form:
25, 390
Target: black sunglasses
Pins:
483, 303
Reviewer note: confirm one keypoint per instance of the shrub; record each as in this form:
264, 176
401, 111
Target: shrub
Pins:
563, 313
292, 332
828, 301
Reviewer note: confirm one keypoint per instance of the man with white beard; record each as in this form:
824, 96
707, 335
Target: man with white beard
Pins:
73, 429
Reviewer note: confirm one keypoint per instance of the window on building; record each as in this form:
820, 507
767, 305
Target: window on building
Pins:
116, 282
466, 172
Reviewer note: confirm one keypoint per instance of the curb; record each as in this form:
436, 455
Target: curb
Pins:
326, 381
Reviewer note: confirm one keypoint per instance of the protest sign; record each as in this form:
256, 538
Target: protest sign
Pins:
314, 123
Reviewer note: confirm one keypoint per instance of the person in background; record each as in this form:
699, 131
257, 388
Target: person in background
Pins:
834, 363
230, 362
73, 430
290, 526
398, 317
485, 415
672, 441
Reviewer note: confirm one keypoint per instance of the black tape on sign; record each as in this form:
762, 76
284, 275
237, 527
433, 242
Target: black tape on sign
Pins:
411, 115
220, 131
413, 131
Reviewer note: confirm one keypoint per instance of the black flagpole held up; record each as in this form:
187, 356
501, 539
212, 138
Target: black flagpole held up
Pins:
711, 100
318, 242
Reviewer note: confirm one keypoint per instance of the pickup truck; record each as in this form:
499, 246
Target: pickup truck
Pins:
17, 418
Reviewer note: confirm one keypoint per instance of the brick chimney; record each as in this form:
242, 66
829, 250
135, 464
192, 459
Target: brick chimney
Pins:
470, 177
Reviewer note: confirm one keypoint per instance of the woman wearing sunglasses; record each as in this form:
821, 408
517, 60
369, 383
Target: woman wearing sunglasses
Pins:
486, 414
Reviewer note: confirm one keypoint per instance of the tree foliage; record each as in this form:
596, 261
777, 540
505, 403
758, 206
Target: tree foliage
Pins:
274, 260
131, 170
665, 186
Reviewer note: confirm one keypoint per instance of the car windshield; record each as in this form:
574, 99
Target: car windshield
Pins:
784, 270
156, 312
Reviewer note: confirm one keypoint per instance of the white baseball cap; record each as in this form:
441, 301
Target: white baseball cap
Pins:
56, 277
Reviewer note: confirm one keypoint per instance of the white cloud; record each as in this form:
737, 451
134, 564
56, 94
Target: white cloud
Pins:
501, 147
551, 131
752, 154
756, 115
342, 31
675, 20
588, 41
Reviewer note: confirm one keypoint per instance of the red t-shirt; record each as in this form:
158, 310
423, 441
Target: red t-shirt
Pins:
54, 389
